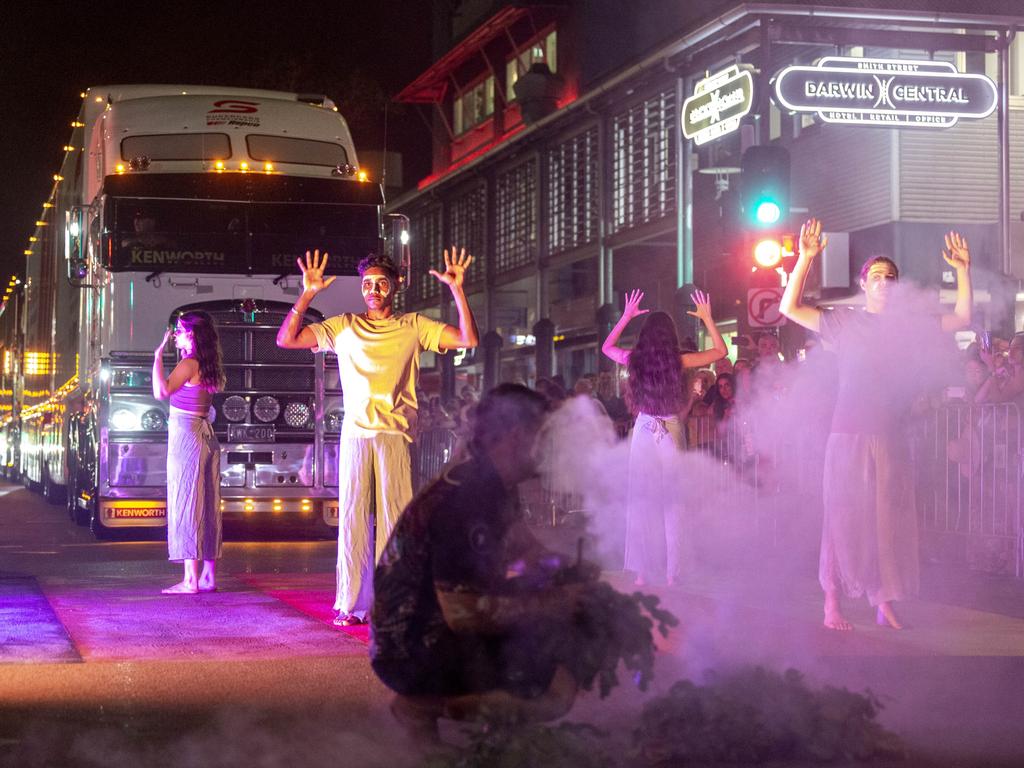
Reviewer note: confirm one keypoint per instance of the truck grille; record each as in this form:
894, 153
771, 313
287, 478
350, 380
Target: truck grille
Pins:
255, 366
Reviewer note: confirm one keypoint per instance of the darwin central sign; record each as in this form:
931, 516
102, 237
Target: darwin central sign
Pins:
718, 104
885, 92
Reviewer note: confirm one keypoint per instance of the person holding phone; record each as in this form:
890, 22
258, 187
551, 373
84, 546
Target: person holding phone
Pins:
869, 532
193, 453
658, 398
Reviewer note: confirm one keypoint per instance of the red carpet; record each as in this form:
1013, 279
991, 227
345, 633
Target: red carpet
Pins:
309, 593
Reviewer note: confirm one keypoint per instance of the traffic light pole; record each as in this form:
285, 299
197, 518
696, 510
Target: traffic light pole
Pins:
684, 197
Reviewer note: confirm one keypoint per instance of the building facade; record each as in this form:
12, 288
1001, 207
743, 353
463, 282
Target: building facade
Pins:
559, 162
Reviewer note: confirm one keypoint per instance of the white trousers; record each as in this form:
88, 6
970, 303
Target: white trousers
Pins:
375, 479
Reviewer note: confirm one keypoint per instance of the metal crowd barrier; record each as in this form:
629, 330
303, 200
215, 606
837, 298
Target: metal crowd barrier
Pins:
967, 462
432, 450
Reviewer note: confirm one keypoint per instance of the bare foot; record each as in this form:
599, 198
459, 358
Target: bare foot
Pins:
886, 617
207, 587
834, 618
181, 588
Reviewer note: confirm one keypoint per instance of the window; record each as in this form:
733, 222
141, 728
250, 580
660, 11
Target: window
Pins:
282, 149
516, 217
545, 49
573, 210
473, 106
643, 162
177, 146
467, 227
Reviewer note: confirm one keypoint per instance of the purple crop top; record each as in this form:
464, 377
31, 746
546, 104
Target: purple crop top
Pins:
194, 399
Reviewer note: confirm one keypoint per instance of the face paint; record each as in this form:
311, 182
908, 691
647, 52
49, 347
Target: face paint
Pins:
376, 284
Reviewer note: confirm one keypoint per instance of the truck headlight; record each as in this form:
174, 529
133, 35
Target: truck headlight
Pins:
154, 420
235, 408
124, 420
267, 408
332, 422
296, 414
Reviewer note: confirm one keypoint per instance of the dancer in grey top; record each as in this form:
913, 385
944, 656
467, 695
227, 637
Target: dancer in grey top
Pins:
869, 535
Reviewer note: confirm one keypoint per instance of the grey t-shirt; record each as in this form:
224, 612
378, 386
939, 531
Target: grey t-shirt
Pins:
883, 366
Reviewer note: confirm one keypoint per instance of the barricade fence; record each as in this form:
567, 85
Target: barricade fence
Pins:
967, 462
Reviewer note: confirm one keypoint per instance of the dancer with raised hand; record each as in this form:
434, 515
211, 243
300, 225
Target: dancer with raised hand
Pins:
658, 398
193, 453
378, 360
869, 534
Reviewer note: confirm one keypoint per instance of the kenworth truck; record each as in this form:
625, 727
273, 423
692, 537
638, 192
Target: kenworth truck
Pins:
172, 198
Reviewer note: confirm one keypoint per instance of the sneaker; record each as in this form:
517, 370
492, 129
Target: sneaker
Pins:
348, 620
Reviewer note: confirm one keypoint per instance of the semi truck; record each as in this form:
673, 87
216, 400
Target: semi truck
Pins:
173, 198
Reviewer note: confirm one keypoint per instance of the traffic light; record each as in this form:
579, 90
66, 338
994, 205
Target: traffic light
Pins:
764, 186
773, 250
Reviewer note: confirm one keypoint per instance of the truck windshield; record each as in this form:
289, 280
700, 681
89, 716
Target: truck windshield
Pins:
177, 146
161, 235
285, 149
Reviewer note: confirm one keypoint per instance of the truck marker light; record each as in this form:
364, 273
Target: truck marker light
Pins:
219, 165
268, 167
244, 166
119, 167
363, 176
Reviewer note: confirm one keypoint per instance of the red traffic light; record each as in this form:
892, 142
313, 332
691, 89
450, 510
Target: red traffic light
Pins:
768, 253
774, 250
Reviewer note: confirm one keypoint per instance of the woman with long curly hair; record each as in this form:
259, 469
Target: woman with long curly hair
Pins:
657, 396
193, 453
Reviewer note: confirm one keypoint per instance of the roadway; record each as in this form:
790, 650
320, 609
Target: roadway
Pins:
97, 667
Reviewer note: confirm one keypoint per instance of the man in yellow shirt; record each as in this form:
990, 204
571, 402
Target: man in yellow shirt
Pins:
378, 361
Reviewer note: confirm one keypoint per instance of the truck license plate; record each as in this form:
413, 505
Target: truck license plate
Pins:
251, 433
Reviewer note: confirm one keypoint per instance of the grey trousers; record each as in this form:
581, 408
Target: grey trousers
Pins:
193, 489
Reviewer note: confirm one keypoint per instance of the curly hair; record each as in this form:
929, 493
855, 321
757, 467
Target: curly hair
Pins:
379, 261
206, 350
655, 368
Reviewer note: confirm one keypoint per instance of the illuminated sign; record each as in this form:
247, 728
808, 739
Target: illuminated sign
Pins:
718, 104
885, 92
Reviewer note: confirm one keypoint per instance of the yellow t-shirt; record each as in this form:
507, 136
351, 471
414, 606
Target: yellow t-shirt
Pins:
378, 361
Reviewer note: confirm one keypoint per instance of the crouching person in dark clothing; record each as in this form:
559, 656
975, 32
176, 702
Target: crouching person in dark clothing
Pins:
466, 597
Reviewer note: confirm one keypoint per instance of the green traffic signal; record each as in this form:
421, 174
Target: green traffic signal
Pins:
768, 212
764, 185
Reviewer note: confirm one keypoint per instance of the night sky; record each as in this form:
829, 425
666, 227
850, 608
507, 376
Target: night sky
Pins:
358, 53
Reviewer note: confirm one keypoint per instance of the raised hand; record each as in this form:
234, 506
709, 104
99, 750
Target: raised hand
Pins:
703, 302
168, 335
957, 254
455, 266
811, 241
313, 272
631, 308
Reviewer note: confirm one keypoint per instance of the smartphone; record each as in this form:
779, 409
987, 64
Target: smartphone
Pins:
986, 341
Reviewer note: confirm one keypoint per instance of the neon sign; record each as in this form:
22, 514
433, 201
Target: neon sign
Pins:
718, 104
885, 92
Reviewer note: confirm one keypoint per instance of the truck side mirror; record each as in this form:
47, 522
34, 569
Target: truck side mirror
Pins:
400, 251
74, 246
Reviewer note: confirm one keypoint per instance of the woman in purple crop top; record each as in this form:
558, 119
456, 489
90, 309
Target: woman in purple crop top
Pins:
193, 454
658, 397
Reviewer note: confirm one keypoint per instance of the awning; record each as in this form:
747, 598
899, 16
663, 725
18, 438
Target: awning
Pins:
431, 86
